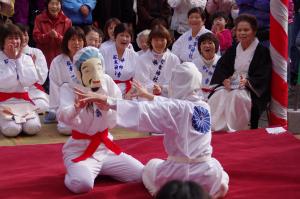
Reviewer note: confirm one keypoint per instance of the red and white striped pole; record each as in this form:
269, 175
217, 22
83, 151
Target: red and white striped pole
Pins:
279, 55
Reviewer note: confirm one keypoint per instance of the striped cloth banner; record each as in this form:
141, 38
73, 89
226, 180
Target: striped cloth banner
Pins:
279, 55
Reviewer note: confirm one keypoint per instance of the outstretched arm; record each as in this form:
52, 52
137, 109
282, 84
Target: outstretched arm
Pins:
139, 91
105, 102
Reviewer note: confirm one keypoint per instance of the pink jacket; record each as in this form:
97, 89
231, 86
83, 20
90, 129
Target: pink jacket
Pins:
225, 39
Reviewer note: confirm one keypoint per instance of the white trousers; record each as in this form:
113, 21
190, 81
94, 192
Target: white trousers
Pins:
42, 104
230, 110
40, 99
10, 128
63, 129
80, 176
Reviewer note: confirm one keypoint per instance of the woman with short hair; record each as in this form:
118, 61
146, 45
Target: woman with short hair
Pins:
243, 79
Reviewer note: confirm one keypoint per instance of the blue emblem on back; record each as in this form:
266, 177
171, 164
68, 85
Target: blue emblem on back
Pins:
201, 120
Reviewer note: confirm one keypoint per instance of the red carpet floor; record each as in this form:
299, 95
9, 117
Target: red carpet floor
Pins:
260, 166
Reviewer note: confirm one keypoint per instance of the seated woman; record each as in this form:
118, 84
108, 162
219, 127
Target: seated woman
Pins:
62, 71
36, 92
208, 46
154, 66
120, 61
185, 47
244, 74
185, 121
17, 73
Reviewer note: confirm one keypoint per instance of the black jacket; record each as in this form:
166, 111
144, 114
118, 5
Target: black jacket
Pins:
259, 77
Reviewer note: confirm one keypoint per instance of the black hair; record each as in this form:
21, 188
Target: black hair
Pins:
9, 30
106, 26
48, 1
161, 32
123, 27
90, 28
176, 189
251, 19
23, 28
198, 10
208, 37
219, 14
72, 31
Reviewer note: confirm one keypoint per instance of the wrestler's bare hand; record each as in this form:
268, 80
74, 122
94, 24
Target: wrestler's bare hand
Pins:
89, 97
140, 91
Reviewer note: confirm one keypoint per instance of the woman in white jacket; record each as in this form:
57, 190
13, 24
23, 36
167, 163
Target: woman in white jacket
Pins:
37, 92
185, 47
179, 21
17, 73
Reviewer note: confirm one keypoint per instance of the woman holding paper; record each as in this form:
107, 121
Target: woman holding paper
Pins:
242, 76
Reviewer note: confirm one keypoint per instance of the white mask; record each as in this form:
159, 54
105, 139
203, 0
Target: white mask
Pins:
235, 13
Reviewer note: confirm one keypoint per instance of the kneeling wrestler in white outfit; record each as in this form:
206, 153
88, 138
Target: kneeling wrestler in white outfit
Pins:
90, 151
186, 123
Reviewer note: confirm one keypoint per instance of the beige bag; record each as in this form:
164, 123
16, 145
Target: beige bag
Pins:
7, 7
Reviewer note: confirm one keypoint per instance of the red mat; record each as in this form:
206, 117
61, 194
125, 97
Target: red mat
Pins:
260, 166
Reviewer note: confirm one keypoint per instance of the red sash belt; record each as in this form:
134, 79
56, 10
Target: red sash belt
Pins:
6, 96
207, 90
38, 86
127, 84
95, 141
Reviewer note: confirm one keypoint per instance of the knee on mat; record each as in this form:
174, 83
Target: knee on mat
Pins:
79, 185
43, 107
64, 129
32, 129
11, 131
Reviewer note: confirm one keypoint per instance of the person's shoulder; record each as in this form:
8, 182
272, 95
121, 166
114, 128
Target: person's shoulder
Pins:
262, 47
37, 51
106, 47
185, 35
186, 104
63, 18
131, 52
42, 16
198, 61
60, 58
107, 78
145, 57
2, 55
200, 104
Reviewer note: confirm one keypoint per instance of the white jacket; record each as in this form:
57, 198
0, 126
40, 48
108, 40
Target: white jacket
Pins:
179, 20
